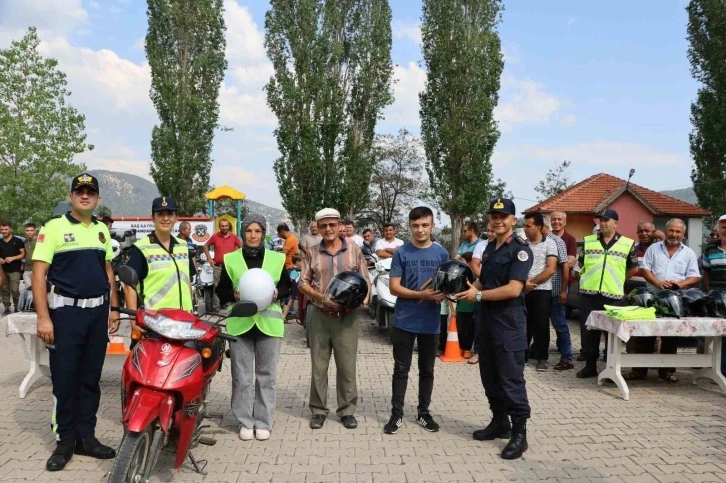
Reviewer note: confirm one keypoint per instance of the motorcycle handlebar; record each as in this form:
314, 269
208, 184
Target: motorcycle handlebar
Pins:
224, 336
124, 310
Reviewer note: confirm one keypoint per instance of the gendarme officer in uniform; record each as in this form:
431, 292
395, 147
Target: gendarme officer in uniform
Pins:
505, 267
73, 254
162, 263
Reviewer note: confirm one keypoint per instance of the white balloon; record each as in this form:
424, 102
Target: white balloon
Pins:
256, 285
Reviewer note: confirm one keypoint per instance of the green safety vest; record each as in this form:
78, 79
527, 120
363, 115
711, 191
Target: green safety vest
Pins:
167, 284
604, 271
269, 321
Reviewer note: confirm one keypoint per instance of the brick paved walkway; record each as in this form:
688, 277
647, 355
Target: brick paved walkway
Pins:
578, 431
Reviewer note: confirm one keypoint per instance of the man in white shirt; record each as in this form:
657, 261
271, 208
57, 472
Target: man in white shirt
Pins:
386, 246
351, 234
479, 250
667, 264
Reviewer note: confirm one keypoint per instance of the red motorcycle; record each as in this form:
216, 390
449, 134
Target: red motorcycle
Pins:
165, 384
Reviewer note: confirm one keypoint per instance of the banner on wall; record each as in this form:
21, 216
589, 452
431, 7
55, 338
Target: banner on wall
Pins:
202, 229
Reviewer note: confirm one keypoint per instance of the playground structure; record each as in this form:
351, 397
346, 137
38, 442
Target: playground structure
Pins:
221, 193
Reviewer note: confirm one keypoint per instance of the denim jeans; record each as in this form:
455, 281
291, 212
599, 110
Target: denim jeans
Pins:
559, 323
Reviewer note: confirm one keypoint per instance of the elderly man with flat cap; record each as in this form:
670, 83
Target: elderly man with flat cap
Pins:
331, 329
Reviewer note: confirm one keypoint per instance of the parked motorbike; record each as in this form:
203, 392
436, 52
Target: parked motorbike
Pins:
383, 303
165, 383
121, 243
203, 285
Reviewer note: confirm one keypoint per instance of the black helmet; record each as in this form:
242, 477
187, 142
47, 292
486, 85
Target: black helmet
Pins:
641, 296
451, 277
669, 304
25, 302
694, 301
716, 303
349, 289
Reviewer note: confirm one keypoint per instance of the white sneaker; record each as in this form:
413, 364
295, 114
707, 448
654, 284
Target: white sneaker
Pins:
262, 434
246, 434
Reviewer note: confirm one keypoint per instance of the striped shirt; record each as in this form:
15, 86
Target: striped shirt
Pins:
561, 258
320, 266
714, 262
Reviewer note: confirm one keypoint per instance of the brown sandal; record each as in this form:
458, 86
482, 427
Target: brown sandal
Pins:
631, 376
474, 359
669, 378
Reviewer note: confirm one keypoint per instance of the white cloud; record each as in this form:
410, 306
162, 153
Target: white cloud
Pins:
601, 154
245, 40
239, 176
407, 30
57, 15
568, 120
404, 112
524, 102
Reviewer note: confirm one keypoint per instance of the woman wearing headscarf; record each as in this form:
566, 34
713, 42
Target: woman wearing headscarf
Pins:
256, 353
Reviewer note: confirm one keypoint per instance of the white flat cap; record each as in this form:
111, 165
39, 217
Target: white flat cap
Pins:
723, 218
327, 213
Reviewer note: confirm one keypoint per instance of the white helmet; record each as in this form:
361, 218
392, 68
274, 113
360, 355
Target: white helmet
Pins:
116, 247
256, 285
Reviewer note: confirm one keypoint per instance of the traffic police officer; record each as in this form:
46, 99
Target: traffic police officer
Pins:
505, 266
162, 263
608, 261
73, 254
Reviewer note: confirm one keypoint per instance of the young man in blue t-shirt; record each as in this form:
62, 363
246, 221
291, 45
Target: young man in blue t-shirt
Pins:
416, 316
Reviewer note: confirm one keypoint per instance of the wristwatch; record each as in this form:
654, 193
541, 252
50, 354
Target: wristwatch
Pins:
478, 296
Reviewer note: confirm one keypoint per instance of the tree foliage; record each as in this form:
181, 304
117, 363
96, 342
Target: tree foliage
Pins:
396, 181
556, 181
707, 55
332, 62
39, 133
185, 45
103, 210
462, 52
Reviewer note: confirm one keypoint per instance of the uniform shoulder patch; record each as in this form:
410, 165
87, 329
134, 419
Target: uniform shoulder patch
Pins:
522, 256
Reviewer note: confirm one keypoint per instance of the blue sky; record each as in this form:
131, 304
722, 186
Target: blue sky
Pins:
604, 85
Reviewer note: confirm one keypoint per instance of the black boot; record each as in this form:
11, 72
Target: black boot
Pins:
499, 427
518, 444
60, 457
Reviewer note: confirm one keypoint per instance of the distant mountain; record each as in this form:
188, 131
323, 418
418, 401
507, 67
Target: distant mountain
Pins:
130, 195
685, 194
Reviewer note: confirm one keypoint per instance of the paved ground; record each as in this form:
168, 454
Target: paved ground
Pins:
578, 431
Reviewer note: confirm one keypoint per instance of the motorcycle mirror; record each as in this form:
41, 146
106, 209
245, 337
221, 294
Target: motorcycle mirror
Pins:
243, 309
128, 276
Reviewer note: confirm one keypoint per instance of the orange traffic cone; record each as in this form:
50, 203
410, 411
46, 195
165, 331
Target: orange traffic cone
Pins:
116, 347
452, 352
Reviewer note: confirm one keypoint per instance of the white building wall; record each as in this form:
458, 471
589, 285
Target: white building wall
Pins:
694, 233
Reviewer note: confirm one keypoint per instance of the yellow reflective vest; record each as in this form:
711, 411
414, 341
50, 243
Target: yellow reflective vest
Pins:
167, 284
269, 321
604, 271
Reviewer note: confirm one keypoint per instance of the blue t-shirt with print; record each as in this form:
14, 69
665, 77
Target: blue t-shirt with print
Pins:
415, 266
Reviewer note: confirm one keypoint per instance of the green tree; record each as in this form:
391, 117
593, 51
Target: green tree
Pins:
39, 133
556, 181
332, 62
462, 52
185, 46
707, 55
396, 181
103, 210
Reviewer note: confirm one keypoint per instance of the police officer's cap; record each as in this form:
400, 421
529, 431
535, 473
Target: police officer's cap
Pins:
84, 180
502, 205
163, 203
608, 215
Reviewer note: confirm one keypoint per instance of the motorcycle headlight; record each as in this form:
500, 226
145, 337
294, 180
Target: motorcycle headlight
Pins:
173, 329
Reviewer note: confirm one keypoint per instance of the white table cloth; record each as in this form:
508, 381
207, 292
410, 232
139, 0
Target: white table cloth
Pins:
619, 331
25, 325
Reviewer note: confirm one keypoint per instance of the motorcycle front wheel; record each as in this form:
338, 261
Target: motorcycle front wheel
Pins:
131, 458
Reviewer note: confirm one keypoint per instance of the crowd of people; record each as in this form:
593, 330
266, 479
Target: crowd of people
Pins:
520, 287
